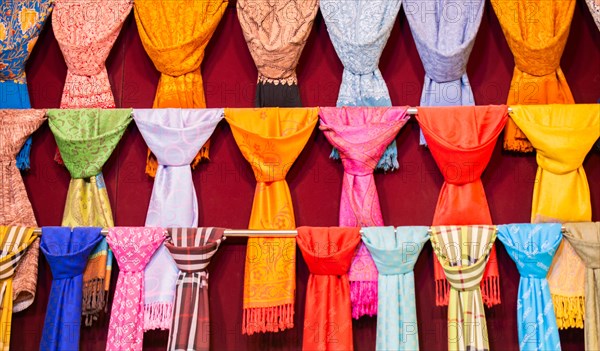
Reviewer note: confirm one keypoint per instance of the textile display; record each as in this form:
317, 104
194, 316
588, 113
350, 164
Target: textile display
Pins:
594, 6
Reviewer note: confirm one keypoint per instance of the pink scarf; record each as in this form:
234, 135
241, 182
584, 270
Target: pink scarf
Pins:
361, 135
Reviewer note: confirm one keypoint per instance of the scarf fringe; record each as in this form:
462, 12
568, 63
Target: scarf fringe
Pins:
23, 159
569, 311
152, 163
158, 315
363, 295
388, 162
94, 300
58, 158
490, 291
442, 292
268, 319
517, 145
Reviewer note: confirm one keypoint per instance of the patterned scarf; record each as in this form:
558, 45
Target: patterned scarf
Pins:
532, 247
327, 317
270, 139
192, 249
395, 253
594, 6
361, 135
562, 136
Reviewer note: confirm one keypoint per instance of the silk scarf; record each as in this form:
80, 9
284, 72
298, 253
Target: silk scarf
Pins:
395, 252
359, 31
562, 136
594, 6
327, 318
361, 135
532, 247
192, 249
461, 140
67, 253
537, 46
270, 139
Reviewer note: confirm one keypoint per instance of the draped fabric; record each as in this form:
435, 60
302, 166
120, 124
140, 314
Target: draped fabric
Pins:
175, 34
359, 31
537, 46
361, 135
276, 32
594, 6
532, 247
562, 136
67, 253
463, 253
395, 252
270, 139
461, 140
327, 318
192, 249
174, 136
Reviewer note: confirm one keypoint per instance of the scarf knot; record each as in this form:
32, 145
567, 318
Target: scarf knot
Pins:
560, 163
540, 61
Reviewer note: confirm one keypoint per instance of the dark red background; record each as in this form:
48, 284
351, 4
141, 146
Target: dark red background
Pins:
225, 185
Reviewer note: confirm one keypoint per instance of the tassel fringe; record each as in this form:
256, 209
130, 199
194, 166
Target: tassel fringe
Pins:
517, 145
490, 291
94, 300
363, 296
442, 292
268, 319
23, 158
152, 162
569, 311
158, 316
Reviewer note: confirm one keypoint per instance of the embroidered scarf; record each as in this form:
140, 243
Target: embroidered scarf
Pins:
361, 135
270, 139
327, 318
594, 6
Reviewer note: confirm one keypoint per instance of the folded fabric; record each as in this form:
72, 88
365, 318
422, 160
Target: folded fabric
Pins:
594, 6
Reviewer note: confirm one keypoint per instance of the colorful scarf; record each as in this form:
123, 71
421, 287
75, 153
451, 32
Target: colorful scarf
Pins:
192, 249
537, 46
461, 140
361, 135
395, 253
562, 136
463, 253
532, 247
271, 139
133, 248
276, 32
327, 317
359, 31
175, 34
86, 139
67, 253
594, 6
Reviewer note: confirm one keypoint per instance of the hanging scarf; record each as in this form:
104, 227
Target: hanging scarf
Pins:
175, 34
537, 46
276, 32
361, 135
133, 248
463, 253
532, 247
594, 6
562, 136
395, 253
192, 249
462, 140
67, 253
270, 139
327, 317
20, 25
174, 136
359, 31
86, 139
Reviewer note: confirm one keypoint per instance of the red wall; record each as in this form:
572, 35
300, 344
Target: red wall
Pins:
225, 185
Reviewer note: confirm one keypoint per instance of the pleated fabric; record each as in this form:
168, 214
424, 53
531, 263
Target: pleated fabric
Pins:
594, 7
537, 46
395, 252
271, 139
562, 136
67, 253
361, 135
532, 247
359, 31
327, 318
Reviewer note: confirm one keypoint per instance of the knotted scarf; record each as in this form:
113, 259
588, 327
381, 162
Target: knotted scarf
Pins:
67, 253
86, 139
359, 31
594, 6
327, 317
461, 140
395, 253
133, 248
361, 135
532, 247
175, 34
536, 33
562, 136
276, 32
463, 253
192, 249
270, 139
174, 136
